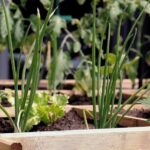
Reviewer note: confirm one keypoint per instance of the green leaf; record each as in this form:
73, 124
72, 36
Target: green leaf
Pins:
131, 68
144, 3
111, 58
3, 27
81, 2
62, 68
34, 120
57, 24
23, 2
43, 113
60, 100
76, 47
33, 20
145, 102
17, 14
19, 31
83, 80
46, 3
56, 112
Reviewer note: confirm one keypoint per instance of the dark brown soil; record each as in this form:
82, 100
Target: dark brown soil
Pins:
80, 100
71, 121
5, 102
142, 113
5, 126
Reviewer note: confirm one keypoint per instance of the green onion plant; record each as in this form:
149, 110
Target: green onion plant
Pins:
106, 88
23, 106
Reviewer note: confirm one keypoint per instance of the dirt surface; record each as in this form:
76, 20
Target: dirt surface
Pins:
71, 121
142, 113
5, 102
80, 100
5, 126
84, 100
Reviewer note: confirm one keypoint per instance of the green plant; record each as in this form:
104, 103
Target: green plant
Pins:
23, 107
45, 108
106, 81
83, 80
51, 108
111, 10
59, 66
16, 25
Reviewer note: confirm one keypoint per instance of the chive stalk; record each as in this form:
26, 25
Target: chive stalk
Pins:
93, 64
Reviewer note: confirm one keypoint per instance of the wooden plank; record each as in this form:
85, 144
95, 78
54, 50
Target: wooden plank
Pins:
42, 85
103, 139
126, 83
126, 93
9, 145
67, 92
10, 110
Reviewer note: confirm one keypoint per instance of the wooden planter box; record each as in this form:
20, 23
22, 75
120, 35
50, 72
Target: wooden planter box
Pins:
102, 139
99, 139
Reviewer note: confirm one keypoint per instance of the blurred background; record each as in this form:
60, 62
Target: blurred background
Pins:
73, 24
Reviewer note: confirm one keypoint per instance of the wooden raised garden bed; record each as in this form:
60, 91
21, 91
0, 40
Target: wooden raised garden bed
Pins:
93, 139
103, 139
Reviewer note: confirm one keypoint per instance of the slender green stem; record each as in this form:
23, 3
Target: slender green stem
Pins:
12, 62
7, 114
23, 73
52, 69
135, 102
93, 64
85, 119
103, 115
99, 77
126, 102
132, 29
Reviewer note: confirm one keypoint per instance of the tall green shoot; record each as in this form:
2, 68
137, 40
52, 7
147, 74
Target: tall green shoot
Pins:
106, 88
23, 107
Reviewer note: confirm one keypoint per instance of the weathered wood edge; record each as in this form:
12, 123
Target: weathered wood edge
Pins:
10, 145
95, 139
76, 132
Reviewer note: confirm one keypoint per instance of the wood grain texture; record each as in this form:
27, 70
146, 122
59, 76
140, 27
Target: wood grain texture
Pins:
103, 139
10, 110
10, 145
